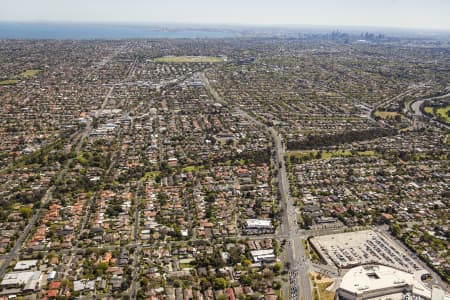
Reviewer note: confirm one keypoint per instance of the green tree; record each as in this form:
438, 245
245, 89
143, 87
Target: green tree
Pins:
25, 212
205, 283
427, 237
396, 230
144, 283
101, 268
247, 280
277, 268
220, 283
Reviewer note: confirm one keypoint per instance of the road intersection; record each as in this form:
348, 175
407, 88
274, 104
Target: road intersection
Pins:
295, 256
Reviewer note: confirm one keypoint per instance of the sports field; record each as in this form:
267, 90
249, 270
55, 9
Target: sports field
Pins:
189, 59
29, 73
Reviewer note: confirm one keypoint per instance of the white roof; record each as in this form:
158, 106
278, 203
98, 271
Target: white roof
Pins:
258, 223
78, 286
364, 279
19, 278
25, 265
437, 293
81, 285
261, 252
262, 255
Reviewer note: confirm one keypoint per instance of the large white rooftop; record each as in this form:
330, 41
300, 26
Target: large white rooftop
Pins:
362, 279
29, 279
366, 281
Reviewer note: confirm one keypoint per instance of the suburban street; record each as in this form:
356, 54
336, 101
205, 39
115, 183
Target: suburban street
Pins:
296, 258
44, 201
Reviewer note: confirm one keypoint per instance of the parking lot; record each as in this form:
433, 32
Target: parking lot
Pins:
346, 250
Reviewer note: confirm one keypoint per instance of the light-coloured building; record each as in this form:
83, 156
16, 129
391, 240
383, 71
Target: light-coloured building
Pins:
83, 285
25, 265
258, 224
437, 294
266, 255
51, 276
381, 282
29, 280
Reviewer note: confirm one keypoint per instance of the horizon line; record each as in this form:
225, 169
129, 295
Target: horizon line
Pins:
228, 24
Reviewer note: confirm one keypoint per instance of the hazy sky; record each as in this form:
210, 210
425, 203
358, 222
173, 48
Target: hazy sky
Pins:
386, 13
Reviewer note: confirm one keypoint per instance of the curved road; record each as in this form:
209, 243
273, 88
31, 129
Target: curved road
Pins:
414, 108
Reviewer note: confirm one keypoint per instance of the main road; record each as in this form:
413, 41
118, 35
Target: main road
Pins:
12, 255
414, 109
295, 256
